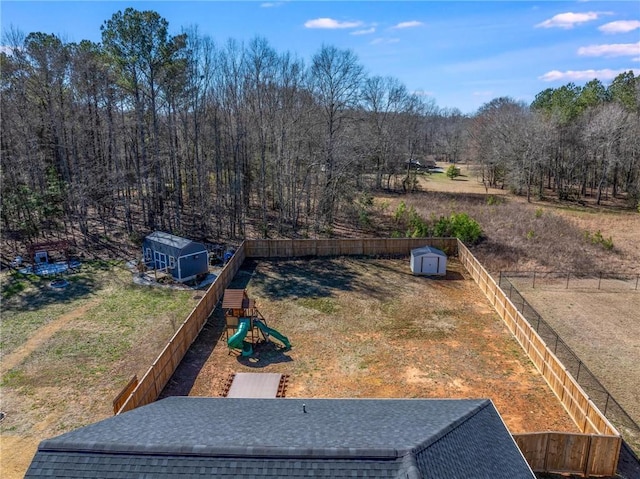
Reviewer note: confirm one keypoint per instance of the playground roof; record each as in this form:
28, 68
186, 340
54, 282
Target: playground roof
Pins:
236, 299
269, 438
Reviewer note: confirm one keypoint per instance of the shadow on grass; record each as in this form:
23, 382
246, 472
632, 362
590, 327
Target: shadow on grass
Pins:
187, 372
307, 278
30, 292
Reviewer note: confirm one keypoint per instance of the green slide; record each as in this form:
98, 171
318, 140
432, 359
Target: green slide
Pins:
272, 332
237, 340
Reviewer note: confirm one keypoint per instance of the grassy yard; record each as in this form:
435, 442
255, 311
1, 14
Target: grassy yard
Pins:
67, 353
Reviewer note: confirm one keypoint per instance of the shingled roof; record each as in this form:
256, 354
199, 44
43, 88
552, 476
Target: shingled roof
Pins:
269, 438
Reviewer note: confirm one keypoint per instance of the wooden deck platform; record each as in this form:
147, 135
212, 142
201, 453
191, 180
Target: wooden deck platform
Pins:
257, 385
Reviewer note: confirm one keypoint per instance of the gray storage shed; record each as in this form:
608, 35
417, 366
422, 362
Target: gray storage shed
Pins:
428, 261
182, 258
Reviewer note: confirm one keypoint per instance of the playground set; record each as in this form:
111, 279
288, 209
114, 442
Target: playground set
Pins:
243, 318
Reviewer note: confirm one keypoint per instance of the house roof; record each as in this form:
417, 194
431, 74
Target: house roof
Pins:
171, 240
427, 250
247, 438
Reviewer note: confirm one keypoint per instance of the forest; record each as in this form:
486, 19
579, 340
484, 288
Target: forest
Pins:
178, 133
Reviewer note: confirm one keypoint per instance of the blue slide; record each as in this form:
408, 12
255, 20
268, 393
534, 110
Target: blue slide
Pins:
237, 340
272, 332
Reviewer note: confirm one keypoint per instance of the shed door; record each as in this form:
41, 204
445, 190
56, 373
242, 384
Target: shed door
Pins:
429, 264
160, 260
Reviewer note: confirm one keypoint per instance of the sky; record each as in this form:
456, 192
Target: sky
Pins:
460, 54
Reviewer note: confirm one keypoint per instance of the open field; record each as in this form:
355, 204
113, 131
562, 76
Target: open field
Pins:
67, 353
368, 328
601, 326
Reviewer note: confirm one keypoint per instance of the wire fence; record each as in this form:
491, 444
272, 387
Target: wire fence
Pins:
600, 281
587, 380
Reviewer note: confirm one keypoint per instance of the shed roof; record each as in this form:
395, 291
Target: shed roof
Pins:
171, 240
189, 436
427, 250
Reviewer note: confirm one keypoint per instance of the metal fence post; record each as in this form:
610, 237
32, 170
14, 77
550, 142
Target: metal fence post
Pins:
578, 373
567, 287
534, 280
599, 279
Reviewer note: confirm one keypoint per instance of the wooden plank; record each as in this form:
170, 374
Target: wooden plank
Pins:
567, 453
121, 398
603, 456
534, 449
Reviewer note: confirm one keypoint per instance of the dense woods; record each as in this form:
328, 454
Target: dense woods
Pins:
150, 130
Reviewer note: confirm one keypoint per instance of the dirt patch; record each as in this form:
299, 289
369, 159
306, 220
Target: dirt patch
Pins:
41, 336
368, 328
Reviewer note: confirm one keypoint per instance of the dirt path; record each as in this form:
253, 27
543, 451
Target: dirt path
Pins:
13, 359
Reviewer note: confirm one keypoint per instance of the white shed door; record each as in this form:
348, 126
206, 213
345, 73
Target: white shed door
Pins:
429, 264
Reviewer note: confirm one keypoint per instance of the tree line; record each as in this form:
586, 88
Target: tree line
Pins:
573, 141
178, 133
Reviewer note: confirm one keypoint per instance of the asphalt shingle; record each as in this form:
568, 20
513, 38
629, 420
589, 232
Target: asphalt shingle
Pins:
268, 438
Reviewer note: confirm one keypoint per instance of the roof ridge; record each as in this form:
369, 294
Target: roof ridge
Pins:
224, 451
438, 435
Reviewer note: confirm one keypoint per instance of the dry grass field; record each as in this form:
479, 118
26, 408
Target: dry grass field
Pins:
602, 326
369, 328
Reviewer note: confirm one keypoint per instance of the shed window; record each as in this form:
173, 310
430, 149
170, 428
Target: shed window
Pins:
147, 255
172, 262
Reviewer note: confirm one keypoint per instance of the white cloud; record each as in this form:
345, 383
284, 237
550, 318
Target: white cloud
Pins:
584, 75
384, 41
367, 31
610, 50
410, 24
621, 26
330, 24
568, 20
270, 4
483, 94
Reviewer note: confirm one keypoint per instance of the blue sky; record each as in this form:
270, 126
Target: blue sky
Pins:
462, 54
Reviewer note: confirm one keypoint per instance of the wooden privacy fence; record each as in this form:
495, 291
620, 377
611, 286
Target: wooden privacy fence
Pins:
593, 453
344, 247
157, 376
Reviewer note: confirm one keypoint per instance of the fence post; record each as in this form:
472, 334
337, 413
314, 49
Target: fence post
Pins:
534, 280
567, 287
599, 279
606, 403
637, 278
578, 373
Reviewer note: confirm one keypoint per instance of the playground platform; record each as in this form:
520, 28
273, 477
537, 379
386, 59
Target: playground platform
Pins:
257, 385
